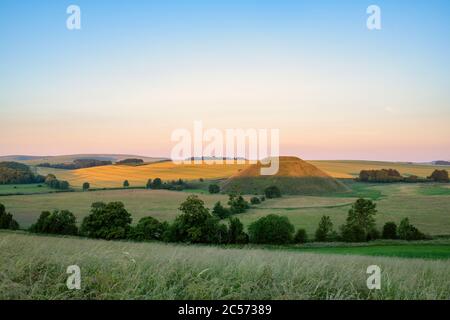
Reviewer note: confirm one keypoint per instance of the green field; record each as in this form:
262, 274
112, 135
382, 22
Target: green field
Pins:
430, 213
424, 251
10, 189
34, 267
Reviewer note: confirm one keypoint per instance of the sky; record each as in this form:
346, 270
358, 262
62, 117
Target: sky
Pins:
137, 71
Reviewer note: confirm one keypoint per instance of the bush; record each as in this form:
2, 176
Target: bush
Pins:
324, 231
236, 232
148, 228
255, 200
220, 211
271, 229
149, 184
107, 221
57, 222
213, 188
439, 176
272, 192
407, 231
301, 236
237, 204
389, 230
86, 186
263, 198
6, 219
126, 184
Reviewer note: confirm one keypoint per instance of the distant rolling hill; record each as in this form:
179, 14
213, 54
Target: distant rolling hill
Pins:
34, 160
295, 176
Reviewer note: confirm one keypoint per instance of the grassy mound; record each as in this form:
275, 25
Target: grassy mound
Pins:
294, 176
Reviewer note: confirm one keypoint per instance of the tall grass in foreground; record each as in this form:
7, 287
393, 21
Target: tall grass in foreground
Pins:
34, 267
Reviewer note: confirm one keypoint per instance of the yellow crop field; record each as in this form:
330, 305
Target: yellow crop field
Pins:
114, 175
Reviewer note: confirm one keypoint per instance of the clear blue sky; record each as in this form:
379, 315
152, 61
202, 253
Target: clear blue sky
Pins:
137, 70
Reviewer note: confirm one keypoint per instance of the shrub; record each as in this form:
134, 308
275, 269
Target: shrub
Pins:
301, 236
237, 204
213, 188
236, 232
57, 222
263, 198
255, 200
86, 186
148, 228
324, 231
407, 231
126, 184
6, 219
107, 221
272, 192
389, 230
220, 211
271, 229
149, 184
439, 176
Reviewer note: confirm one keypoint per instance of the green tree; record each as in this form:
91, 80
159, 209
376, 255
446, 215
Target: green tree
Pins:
6, 219
324, 231
439, 176
301, 236
236, 232
157, 183
107, 221
220, 211
57, 222
271, 229
360, 223
407, 231
149, 184
213, 188
237, 204
272, 192
389, 230
148, 228
86, 186
126, 184
196, 224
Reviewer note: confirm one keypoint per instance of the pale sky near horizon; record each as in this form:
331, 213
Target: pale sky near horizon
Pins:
138, 70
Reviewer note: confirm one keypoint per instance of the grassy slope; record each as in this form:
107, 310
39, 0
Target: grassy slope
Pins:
34, 267
113, 176
394, 201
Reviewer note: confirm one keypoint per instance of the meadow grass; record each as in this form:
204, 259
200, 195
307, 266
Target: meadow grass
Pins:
12, 189
430, 213
34, 267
